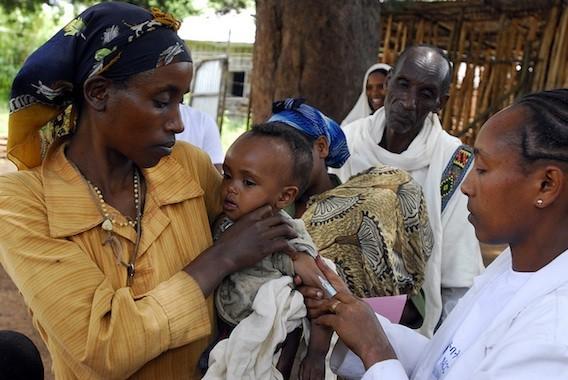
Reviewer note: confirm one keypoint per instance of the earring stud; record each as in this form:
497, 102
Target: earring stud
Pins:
539, 202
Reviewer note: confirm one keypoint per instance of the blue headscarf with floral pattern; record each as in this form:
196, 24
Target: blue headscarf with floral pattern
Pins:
313, 123
112, 39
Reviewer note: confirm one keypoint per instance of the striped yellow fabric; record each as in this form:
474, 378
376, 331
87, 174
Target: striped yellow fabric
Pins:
94, 326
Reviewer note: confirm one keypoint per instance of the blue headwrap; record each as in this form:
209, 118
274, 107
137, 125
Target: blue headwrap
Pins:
113, 39
313, 123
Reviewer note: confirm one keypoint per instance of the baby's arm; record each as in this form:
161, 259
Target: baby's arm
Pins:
313, 365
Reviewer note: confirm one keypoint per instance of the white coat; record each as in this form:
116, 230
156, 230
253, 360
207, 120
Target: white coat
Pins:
527, 340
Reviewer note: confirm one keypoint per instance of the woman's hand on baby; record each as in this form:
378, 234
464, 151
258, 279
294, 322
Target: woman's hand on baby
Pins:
254, 236
248, 241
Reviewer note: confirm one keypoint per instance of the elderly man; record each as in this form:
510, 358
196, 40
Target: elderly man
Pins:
406, 133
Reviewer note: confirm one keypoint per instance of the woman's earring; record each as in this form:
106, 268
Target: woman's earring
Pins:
539, 202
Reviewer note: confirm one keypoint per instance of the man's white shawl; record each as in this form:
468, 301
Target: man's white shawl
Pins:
455, 258
361, 108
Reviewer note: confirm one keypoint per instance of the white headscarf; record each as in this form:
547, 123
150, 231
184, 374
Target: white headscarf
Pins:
362, 108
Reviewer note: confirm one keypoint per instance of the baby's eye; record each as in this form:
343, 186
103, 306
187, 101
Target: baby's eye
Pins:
249, 182
226, 175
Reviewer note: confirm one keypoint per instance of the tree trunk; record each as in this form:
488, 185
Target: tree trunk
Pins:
315, 49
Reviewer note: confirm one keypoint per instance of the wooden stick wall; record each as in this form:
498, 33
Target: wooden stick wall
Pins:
497, 56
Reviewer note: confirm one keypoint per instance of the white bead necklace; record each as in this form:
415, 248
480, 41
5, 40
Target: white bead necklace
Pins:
109, 221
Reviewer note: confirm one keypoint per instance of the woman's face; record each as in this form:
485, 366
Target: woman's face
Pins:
143, 117
375, 90
500, 193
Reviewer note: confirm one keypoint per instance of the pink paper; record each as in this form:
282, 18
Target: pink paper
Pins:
389, 307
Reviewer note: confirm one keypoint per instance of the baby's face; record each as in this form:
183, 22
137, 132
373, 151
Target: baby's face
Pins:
253, 174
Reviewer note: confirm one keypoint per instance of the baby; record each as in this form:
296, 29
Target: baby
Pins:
269, 164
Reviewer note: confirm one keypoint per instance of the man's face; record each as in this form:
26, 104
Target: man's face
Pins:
414, 89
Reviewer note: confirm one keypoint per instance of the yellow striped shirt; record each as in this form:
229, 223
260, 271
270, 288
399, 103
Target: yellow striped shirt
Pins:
94, 326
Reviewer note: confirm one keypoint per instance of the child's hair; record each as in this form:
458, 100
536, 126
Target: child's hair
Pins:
297, 143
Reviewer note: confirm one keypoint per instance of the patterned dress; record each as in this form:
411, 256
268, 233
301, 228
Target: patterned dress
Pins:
375, 228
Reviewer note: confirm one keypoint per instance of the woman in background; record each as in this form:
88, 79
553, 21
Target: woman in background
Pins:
373, 95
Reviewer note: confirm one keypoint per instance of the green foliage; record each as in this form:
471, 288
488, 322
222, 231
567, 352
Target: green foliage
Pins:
21, 32
233, 127
180, 8
225, 6
26, 24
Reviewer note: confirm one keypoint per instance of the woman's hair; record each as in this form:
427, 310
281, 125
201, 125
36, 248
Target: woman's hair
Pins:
545, 134
297, 143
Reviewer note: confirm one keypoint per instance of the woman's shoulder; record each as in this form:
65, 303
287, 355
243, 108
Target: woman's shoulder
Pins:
21, 183
546, 316
197, 164
381, 176
189, 155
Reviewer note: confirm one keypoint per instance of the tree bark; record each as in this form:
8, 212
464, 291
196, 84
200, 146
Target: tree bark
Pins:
315, 49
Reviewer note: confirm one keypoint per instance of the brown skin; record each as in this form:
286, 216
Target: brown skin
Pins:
503, 191
414, 88
354, 320
319, 179
248, 176
375, 90
249, 181
123, 127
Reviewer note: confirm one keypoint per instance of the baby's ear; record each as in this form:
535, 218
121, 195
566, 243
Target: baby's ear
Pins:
287, 196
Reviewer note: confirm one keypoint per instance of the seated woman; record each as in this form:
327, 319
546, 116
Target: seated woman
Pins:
107, 235
374, 227
512, 323
373, 95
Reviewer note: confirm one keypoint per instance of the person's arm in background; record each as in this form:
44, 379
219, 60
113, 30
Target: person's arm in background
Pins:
461, 255
212, 141
201, 131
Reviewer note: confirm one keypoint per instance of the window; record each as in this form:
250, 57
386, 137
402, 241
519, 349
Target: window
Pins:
237, 83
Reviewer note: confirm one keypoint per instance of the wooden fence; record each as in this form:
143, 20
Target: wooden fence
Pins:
501, 49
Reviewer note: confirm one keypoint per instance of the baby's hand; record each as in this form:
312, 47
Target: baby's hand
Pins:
313, 366
305, 267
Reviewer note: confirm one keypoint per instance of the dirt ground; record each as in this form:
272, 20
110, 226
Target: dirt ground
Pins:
14, 314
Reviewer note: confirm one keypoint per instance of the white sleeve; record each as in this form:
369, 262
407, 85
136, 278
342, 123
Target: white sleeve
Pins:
461, 255
527, 361
388, 369
407, 344
212, 140
534, 346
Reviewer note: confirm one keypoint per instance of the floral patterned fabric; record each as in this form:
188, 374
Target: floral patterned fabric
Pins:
113, 39
375, 229
311, 122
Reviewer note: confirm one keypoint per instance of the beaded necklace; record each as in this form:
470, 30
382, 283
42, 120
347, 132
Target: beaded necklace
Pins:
109, 222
